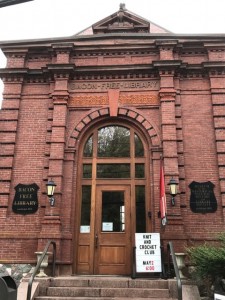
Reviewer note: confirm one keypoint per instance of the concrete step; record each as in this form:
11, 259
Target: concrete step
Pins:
91, 298
105, 287
108, 292
109, 282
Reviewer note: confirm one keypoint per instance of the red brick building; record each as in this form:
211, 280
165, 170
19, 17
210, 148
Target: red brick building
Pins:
95, 112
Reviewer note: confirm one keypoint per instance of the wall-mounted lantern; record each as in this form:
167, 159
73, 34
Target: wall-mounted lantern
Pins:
173, 190
50, 191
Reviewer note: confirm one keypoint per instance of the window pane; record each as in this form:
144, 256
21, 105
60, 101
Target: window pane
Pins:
85, 209
113, 170
139, 170
140, 209
113, 211
139, 149
87, 170
88, 148
113, 141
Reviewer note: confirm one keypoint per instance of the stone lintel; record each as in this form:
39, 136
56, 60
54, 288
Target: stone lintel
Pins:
60, 97
214, 65
63, 46
166, 43
14, 71
214, 45
167, 63
169, 93
60, 68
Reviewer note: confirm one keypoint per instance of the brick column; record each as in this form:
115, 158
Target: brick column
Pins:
170, 152
167, 66
56, 158
12, 77
51, 224
169, 137
217, 84
9, 115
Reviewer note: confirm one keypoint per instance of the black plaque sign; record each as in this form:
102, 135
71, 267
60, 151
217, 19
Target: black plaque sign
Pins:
202, 198
25, 200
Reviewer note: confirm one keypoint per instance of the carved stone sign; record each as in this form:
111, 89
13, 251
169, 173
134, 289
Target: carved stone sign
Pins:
202, 198
25, 200
121, 85
146, 99
134, 99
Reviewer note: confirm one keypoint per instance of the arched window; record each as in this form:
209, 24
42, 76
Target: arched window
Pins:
113, 198
111, 154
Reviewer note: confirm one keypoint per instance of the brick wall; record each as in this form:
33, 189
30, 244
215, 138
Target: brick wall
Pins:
43, 120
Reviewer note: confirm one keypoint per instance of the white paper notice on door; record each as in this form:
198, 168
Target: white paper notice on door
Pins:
85, 229
107, 226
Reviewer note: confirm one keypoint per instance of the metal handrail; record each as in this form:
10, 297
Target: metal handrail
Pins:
170, 250
133, 275
39, 264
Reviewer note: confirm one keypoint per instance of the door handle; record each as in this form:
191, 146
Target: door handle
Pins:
96, 240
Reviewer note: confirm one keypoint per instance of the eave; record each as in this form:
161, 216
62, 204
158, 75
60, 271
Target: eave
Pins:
71, 70
4, 3
101, 37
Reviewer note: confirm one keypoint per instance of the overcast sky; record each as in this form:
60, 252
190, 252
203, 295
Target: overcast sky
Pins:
59, 18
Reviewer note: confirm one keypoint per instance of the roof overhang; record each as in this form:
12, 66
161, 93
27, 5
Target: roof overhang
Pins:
112, 36
4, 3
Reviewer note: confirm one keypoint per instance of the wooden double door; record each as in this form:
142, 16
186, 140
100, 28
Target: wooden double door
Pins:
106, 248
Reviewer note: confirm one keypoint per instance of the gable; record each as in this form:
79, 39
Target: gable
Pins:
123, 21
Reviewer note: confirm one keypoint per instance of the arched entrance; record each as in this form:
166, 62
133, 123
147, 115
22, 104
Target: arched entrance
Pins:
113, 196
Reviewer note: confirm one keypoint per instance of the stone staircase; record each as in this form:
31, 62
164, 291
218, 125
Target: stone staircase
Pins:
106, 287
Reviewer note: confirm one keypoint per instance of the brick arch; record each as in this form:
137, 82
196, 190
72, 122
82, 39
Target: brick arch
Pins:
122, 112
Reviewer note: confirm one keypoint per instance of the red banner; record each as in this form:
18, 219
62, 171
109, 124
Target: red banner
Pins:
163, 206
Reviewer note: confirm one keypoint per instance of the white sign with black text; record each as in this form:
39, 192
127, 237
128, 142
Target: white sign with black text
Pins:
219, 297
148, 252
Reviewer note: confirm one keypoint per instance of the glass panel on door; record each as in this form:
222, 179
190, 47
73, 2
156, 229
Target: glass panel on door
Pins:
85, 209
113, 211
140, 208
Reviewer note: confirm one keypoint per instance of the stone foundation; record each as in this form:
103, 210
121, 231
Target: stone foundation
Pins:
17, 271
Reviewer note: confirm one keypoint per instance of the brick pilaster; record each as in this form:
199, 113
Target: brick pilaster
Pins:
51, 224
9, 115
217, 79
167, 66
57, 147
170, 154
13, 77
